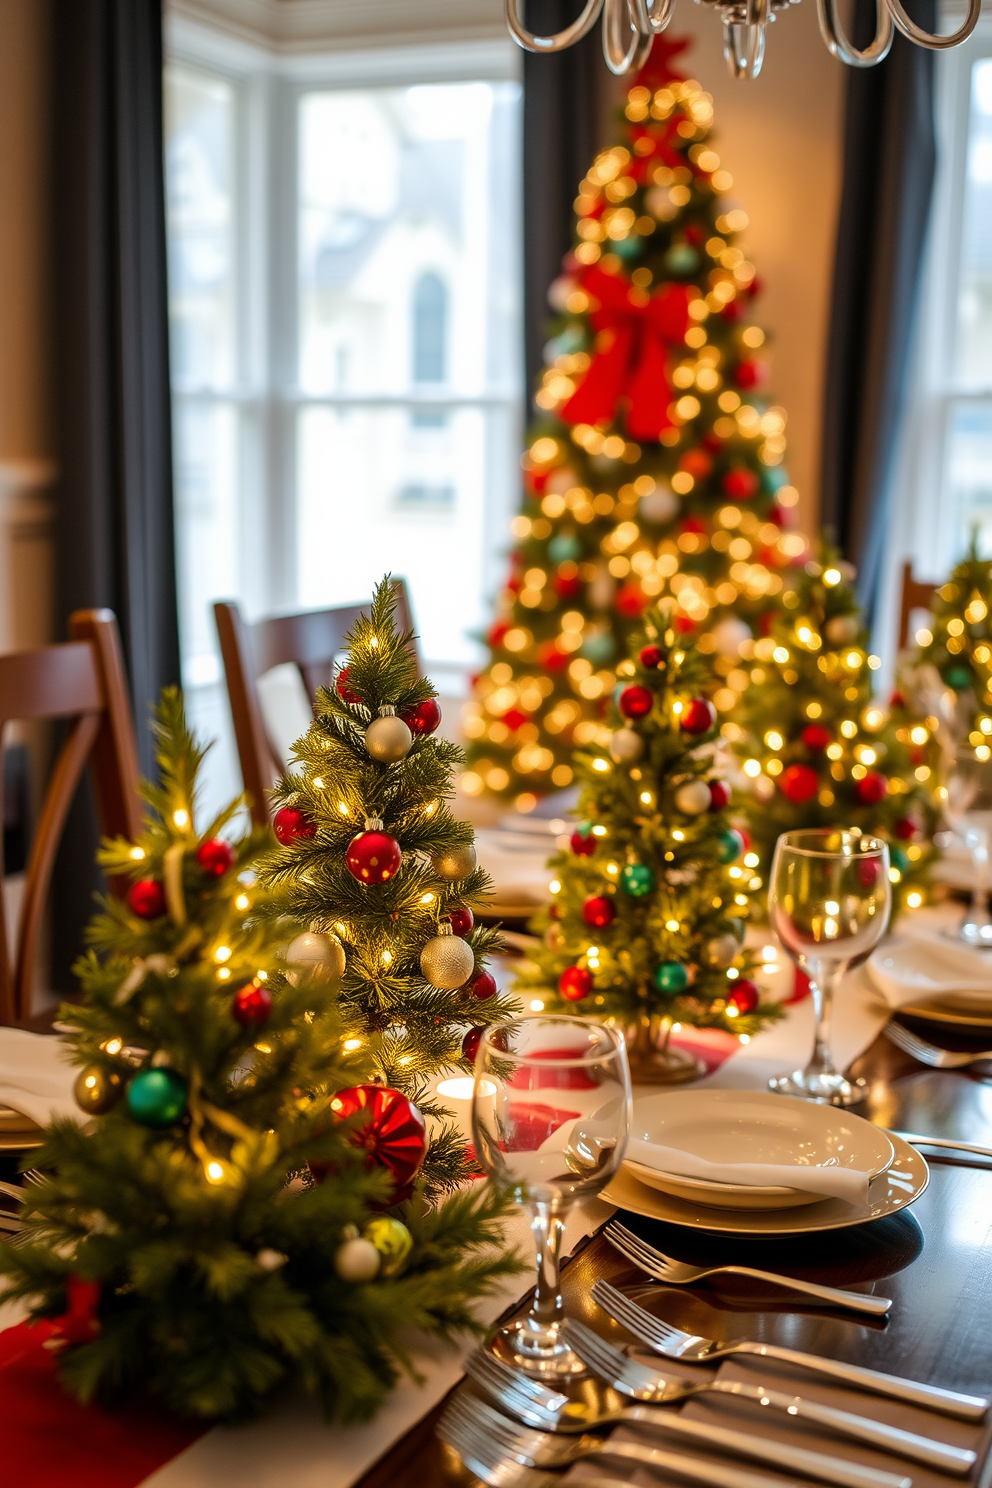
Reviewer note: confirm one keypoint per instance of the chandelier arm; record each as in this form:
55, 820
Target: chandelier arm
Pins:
838, 44
744, 40
913, 32
660, 12
627, 35
561, 39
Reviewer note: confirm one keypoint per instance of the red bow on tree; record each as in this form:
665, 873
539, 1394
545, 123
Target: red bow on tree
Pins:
633, 333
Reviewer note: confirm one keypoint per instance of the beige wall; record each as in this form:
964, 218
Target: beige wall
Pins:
780, 137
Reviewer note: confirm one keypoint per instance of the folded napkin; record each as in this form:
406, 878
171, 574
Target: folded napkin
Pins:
849, 1184
35, 1077
931, 968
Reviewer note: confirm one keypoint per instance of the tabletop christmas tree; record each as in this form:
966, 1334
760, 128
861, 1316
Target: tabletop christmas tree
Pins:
818, 748
226, 1219
647, 921
958, 645
375, 864
655, 467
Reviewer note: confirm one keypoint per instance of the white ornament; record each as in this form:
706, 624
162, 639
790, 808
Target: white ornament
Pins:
447, 961
456, 862
693, 798
318, 956
659, 505
730, 635
842, 630
357, 1260
559, 292
268, 1259
721, 951
658, 200
562, 480
387, 738
626, 746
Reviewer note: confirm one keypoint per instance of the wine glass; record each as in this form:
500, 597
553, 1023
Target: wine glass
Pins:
829, 900
550, 1119
968, 808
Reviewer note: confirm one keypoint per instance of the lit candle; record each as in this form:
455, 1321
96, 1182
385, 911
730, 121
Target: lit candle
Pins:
456, 1096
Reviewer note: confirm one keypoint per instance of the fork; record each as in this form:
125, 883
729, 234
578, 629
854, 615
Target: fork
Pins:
484, 1453
643, 1383
930, 1054
695, 1349
550, 1411
679, 1273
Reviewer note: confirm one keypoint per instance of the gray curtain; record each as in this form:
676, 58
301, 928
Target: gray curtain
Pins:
889, 162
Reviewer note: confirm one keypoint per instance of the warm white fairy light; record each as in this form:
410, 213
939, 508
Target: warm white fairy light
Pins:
137, 854
180, 818
242, 901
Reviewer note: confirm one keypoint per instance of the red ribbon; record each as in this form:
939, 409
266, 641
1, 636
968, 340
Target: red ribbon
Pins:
633, 334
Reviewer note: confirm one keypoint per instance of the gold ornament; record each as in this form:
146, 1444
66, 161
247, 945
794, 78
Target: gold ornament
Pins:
842, 630
456, 862
693, 797
626, 746
447, 961
394, 1243
387, 738
314, 955
97, 1090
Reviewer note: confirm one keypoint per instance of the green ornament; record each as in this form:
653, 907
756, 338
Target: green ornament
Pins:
671, 976
157, 1097
898, 858
959, 678
681, 260
565, 548
626, 247
636, 879
394, 1243
730, 845
599, 649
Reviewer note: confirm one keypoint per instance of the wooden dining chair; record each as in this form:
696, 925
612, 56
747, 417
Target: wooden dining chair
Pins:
916, 595
82, 680
309, 640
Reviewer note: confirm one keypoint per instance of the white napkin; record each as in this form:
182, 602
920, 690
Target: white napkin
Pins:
849, 1184
35, 1077
930, 967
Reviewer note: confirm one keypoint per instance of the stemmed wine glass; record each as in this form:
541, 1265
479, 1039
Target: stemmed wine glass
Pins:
968, 808
550, 1119
829, 902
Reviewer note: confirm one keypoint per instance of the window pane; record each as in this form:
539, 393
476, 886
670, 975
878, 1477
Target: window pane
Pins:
969, 472
205, 452
199, 126
974, 350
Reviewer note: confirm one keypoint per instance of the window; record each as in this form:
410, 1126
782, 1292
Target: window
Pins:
943, 479
345, 320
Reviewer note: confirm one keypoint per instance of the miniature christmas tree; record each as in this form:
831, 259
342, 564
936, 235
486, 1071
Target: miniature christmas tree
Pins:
178, 1242
656, 466
818, 748
958, 645
373, 861
647, 922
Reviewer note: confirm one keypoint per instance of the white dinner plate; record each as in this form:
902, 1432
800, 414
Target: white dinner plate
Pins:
900, 1185
751, 1126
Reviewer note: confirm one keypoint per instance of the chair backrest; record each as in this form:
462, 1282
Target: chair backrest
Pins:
916, 595
84, 681
310, 641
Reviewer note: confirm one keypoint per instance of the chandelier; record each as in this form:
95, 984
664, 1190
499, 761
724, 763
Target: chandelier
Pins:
630, 26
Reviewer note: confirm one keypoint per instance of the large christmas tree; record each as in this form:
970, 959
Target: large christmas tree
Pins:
817, 746
958, 646
179, 1243
655, 467
649, 903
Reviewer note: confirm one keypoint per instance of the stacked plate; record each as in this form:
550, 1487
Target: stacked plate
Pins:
732, 1127
935, 980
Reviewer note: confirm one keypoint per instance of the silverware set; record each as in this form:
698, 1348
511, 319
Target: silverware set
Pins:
931, 1054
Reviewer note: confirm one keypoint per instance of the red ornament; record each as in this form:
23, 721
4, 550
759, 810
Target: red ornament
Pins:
697, 463
582, 846
514, 719
897, 700
290, 825
683, 624
868, 870
631, 601
470, 1043
799, 783
719, 794
816, 737
871, 789
568, 586
252, 1005
393, 1133
214, 856
905, 829
697, 717
741, 484
494, 638
425, 717
373, 857
749, 374
344, 691
462, 921
146, 899
598, 912
551, 659
745, 997
483, 985
650, 657
636, 701
575, 983
694, 524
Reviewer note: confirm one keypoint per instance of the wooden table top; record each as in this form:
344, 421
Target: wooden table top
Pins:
936, 1259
